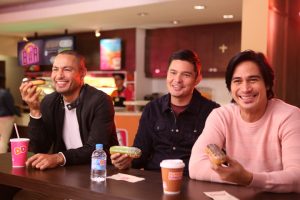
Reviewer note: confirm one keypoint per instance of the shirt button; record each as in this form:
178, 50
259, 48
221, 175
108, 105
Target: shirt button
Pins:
177, 130
172, 130
195, 131
174, 148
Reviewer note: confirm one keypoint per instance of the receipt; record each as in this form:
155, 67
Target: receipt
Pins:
220, 195
126, 177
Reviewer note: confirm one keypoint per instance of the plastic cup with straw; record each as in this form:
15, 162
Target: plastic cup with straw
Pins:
19, 149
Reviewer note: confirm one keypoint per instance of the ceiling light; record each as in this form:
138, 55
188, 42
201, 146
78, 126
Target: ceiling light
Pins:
199, 7
228, 16
142, 14
97, 33
175, 22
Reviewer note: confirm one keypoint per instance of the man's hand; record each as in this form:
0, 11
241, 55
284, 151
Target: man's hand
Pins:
30, 95
121, 161
234, 172
44, 161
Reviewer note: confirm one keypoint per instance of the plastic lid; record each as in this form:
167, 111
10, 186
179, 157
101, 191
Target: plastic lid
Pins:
172, 163
99, 146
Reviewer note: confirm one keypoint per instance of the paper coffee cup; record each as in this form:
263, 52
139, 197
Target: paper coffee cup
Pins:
172, 172
19, 149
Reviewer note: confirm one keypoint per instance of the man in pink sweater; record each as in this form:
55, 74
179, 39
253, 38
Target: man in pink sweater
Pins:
261, 134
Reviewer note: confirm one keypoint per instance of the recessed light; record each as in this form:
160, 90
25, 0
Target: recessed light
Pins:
227, 16
175, 22
142, 14
199, 7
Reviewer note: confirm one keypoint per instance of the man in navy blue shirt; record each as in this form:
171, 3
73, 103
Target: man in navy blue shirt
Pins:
170, 125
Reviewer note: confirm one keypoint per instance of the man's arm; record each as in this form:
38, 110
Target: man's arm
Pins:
40, 140
287, 179
143, 139
44, 161
211, 134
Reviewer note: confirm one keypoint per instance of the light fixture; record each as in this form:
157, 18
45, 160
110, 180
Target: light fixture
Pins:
228, 16
199, 7
142, 14
175, 22
97, 33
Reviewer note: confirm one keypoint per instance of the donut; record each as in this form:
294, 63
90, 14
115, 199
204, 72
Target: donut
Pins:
35, 81
216, 154
133, 152
38, 82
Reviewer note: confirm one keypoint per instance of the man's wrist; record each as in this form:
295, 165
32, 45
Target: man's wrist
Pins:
61, 160
249, 179
35, 114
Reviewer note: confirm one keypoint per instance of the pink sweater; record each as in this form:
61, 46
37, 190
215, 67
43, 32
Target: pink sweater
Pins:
269, 147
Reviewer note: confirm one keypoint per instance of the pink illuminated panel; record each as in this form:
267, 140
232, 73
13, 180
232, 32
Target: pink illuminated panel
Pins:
110, 54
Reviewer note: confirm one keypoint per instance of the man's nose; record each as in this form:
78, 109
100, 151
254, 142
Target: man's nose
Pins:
246, 86
178, 78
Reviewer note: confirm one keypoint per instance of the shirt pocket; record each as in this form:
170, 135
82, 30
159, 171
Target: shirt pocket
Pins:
190, 133
161, 131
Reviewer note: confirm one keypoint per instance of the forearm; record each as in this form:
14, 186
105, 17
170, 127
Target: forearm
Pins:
39, 139
277, 181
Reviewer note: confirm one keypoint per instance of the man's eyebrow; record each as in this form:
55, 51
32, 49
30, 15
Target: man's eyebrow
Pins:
251, 76
254, 76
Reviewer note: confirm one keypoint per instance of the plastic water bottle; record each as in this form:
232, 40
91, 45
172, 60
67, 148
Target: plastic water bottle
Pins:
98, 168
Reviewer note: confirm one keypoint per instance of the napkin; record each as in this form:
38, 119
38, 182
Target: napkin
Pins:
220, 195
126, 177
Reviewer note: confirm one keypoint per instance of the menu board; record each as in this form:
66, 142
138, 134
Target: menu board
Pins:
53, 46
110, 54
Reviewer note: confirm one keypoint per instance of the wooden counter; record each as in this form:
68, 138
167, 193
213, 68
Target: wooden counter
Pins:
73, 182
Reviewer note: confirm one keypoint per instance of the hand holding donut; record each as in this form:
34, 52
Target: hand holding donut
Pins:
122, 156
30, 94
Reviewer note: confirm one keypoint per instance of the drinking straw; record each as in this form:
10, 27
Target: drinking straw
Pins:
17, 132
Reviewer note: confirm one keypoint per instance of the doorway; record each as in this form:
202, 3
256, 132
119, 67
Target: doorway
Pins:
2, 74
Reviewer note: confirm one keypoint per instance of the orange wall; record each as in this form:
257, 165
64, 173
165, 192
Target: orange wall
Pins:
130, 123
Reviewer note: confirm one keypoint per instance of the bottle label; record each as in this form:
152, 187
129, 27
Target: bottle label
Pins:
98, 164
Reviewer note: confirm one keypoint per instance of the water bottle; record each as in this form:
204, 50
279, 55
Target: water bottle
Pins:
98, 168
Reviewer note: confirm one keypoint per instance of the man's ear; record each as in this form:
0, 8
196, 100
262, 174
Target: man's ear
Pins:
82, 74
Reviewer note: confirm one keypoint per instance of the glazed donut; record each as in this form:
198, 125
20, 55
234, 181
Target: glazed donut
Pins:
132, 152
216, 154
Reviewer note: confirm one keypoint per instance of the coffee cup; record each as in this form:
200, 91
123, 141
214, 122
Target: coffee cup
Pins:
172, 172
19, 149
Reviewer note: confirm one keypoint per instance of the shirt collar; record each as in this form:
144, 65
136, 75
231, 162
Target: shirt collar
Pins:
193, 106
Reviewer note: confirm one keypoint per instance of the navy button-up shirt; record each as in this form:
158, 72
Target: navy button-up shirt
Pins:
161, 135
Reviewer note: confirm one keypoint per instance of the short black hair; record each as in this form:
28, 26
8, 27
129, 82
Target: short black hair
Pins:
79, 57
189, 56
121, 75
260, 60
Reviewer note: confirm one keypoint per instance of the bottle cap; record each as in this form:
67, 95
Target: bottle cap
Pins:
99, 146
